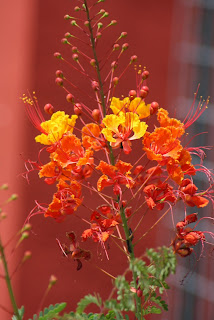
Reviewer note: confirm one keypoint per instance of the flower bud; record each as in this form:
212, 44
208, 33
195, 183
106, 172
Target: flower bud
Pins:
133, 59
70, 97
75, 57
99, 35
113, 22
95, 85
13, 197
77, 8
125, 46
78, 109
73, 23
132, 94
4, 186
49, 109
74, 49
96, 114
99, 25
59, 81
68, 35
57, 55
145, 74
27, 255
67, 17
52, 281
93, 62
123, 34
86, 23
3, 215
116, 46
115, 80
26, 227
114, 65
144, 92
101, 11
105, 14
64, 41
154, 107
59, 74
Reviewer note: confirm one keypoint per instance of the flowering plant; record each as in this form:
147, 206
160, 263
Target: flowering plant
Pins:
88, 152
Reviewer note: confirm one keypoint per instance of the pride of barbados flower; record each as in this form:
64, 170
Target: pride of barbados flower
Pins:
88, 149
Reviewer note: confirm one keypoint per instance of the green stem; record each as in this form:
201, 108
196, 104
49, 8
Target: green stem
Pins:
98, 75
9, 285
132, 258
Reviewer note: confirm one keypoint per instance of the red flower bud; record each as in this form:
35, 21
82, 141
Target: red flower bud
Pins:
64, 41
95, 85
123, 34
93, 63
145, 74
49, 109
125, 46
139, 293
114, 65
154, 107
132, 94
144, 92
78, 109
67, 35
133, 58
116, 46
57, 55
59, 81
86, 23
70, 97
75, 57
59, 74
115, 80
96, 114
74, 49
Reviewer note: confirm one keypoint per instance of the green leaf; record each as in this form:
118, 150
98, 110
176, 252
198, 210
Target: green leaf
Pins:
50, 312
83, 303
21, 313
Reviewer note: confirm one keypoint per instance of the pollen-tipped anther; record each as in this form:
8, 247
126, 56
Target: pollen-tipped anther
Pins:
59, 81
78, 109
49, 109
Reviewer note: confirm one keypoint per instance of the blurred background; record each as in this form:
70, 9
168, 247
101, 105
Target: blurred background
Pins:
174, 39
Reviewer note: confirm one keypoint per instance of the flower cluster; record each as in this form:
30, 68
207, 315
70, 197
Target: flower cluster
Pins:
94, 157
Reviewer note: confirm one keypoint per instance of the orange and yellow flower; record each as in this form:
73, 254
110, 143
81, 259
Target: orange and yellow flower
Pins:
56, 127
121, 129
137, 105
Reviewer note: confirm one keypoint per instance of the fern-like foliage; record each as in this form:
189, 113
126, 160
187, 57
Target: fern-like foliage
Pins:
87, 300
50, 313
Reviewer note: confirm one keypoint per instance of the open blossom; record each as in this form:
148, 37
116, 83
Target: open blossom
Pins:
137, 105
114, 176
65, 201
59, 124
121, 129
